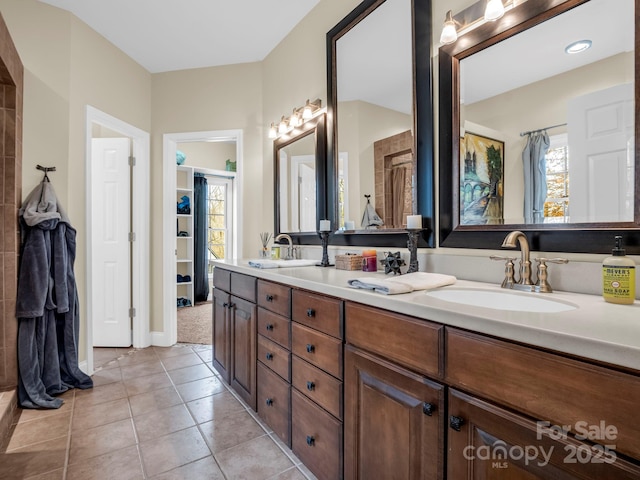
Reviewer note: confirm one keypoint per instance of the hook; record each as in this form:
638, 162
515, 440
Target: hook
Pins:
46, 170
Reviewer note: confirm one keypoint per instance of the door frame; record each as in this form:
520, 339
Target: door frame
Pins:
140, 214
169, 335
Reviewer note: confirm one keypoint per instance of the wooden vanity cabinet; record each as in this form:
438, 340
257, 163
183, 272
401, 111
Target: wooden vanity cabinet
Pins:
394, 415
234, 332
317, 381
487, 442
274, 357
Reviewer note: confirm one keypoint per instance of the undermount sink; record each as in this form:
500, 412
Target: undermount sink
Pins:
502, 300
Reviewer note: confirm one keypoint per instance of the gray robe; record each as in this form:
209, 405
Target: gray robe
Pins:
47, 303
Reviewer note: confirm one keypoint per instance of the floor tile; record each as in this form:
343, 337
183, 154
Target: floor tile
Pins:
100, 394
204, 469
134, 357
124, 464
256, 459
176, 350
106, 376
155, 400
174, 450
214, 407
101, 414
28, 414
205, 355
292, 474
34, 459
149, 383
161, 422
181, 361
57, 474
189, 374
142, 369
40, 430
200, 388
235, 429
100, 440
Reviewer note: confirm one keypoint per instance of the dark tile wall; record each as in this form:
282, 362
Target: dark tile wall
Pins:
11, 89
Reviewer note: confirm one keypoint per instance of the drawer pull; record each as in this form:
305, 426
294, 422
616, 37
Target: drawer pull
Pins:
456, 422
269, 402
269, 356
311, 386
269, 298
310, 348
428, 408
311, 312
270, 327
310, 440
225, 305
231, 305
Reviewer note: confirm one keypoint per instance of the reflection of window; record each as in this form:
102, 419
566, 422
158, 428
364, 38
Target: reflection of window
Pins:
219, 221
556, 206
343, 202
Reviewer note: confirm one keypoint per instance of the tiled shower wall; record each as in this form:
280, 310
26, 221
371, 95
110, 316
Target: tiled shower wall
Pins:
11, 82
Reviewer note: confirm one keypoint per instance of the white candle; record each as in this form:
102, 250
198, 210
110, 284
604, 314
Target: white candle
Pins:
325, 225
414, 221
349, 225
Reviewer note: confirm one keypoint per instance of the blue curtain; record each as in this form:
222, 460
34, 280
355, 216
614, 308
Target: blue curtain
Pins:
200, 214
535, 176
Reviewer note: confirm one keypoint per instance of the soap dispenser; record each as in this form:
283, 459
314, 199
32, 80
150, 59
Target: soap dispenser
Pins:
619, 276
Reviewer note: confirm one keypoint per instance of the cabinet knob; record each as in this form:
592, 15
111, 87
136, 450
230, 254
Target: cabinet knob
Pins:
225, 305
428, 408
269, 327
269, 298
456, 422
311, 386
269, 402
231, 305
269, 356
310, 348
311, 312
310, 440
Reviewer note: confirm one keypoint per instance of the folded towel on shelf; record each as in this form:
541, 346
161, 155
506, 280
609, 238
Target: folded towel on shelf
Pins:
403, 283
282, 263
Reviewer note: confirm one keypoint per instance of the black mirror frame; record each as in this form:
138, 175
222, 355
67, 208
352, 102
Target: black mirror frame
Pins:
576, 238
422, 128
317, 126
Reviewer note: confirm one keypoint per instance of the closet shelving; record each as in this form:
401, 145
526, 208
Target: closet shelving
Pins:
184, 235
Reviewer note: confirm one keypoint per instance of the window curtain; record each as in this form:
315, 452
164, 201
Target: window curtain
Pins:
535, 176
200, 247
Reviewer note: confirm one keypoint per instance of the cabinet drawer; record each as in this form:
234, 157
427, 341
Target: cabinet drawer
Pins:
244, 286
317, 348
316, 438
274, 402
274, 327
548, 387
222, 279
415, 344
319, 386
274, 297
319, 312
275, 357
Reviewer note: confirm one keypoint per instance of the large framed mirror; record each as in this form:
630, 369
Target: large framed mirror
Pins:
380, 131
300, 180
534, 138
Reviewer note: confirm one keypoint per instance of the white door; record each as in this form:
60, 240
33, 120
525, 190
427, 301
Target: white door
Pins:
303, 191
601, 155
111, 253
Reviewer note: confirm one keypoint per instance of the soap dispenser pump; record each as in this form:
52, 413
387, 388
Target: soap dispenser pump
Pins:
619, 276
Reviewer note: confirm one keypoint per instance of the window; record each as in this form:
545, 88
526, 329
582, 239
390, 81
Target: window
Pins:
219, 210
556, 206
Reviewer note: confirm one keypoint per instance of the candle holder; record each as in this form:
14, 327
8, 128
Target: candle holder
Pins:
324, 236
412, 245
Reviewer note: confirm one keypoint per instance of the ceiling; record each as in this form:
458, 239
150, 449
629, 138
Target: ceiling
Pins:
167, 35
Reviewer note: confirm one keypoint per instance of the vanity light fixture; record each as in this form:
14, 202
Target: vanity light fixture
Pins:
494, 10
577, 47
449, 33
296, 119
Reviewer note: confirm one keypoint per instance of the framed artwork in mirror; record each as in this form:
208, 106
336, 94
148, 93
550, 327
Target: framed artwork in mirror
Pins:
481, 180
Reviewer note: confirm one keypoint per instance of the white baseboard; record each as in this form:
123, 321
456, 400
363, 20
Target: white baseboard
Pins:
160, 339
84, 367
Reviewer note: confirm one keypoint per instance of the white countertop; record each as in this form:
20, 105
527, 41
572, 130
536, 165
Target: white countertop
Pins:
596, 329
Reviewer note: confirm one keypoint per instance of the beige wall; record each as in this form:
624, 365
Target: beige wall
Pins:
211, 155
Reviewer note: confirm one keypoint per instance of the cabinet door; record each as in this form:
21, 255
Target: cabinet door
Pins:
394, 421
221, 333
487, 442
243, 350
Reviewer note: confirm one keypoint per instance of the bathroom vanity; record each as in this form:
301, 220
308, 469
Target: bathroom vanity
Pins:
364, 385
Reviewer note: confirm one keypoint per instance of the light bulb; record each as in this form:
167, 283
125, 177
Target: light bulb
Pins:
272, 131
307, 113
494, 10
449, 33
282, 127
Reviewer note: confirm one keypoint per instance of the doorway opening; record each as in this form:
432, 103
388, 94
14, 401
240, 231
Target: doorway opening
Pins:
125, 225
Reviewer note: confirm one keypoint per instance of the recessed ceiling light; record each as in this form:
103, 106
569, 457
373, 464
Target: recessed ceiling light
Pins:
577, 47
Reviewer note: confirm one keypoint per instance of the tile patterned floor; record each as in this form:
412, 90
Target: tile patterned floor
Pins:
156, 413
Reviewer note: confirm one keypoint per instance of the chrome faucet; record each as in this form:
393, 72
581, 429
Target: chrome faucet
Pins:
289, 254
525, 261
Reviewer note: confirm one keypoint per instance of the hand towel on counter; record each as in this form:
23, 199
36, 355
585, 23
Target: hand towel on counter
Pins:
263, 264
281, 263
403, 283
